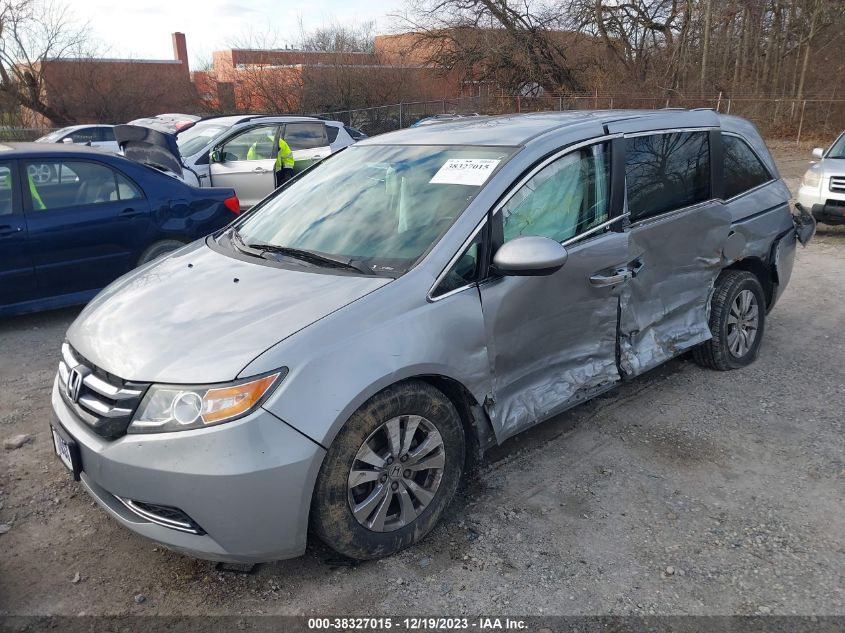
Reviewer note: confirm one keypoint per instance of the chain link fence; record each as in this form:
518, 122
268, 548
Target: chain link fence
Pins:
812, 118
23, 134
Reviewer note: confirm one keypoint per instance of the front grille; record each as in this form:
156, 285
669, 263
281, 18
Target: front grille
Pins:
837, 184
166, 516
104, 402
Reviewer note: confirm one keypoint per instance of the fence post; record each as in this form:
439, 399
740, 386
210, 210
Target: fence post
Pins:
719, 101
729, 107
444, 106
611, 103
400, 115
559, 103
801, 122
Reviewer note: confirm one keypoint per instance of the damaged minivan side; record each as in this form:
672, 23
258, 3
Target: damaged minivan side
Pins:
332, 360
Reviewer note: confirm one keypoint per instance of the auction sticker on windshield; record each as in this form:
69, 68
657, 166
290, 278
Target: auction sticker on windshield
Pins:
465, 171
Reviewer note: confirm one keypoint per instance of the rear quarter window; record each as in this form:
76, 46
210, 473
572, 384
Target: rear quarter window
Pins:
743, 170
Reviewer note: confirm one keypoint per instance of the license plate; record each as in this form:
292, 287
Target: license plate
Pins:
67, 452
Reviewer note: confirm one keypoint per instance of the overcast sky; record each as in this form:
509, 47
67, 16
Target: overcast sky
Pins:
142, 28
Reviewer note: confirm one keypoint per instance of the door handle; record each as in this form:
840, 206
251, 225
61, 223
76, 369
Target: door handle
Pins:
7, 229
259, 170
602, 281
130, 213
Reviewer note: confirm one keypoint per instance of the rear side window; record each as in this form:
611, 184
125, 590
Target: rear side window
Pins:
65, 184
105, 134
356, 135
7, 189
332, 131
743, 170
85, 135
305, 135
666, 171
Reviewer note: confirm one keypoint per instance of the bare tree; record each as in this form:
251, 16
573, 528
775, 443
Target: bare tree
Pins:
516, 45
33, 32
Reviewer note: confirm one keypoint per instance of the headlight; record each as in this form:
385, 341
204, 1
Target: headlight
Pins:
174, 408
812, 178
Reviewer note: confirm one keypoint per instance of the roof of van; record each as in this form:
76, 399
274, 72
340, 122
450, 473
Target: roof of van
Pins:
518, 129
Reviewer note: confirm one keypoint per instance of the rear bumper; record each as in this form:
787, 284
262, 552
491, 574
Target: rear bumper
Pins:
247, 484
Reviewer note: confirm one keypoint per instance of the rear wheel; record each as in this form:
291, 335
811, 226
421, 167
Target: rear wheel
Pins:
390, 473
737, 320
159, 249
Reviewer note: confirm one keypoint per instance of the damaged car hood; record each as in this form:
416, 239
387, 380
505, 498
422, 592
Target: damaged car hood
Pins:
200, 316
150, 147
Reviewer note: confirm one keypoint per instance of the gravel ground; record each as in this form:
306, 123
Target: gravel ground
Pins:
685, 491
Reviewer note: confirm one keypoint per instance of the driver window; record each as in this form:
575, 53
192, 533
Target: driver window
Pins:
258, 143
564, 199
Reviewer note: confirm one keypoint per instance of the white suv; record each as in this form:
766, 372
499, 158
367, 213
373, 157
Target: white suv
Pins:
822, 189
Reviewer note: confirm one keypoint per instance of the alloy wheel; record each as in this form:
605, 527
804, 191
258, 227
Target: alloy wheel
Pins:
396, 473
743, 323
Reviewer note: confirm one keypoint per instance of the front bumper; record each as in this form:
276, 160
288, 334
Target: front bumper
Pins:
247, 483
832, 212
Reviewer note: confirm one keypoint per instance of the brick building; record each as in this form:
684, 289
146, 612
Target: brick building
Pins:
90, 90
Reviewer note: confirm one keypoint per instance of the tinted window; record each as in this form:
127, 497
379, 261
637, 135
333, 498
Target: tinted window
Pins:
564, 199
356, 135
743, 170
84, 135
258, 143
305, 135
332, 131
105, 134
6, 190
63, 184
666, 171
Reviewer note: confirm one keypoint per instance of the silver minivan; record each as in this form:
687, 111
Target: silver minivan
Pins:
335, 358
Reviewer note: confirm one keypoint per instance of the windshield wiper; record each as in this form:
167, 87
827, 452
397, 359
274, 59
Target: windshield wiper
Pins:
313, 257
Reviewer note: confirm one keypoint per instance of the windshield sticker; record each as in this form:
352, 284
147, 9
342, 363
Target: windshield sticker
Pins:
465, 171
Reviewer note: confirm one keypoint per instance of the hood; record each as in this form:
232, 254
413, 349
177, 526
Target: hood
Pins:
150, 147
199, 316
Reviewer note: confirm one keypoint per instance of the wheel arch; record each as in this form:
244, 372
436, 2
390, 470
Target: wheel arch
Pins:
762, 271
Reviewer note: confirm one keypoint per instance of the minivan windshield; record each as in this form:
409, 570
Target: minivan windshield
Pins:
380, 206
198, 136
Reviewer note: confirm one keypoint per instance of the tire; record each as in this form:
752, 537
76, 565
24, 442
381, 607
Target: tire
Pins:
385, 523
730, 348
158, 250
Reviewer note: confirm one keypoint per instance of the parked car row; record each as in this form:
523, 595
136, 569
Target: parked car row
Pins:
229, 151
330, 360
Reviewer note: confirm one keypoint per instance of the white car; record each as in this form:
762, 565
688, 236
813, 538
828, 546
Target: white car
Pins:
101, 136
235, 151
822, 189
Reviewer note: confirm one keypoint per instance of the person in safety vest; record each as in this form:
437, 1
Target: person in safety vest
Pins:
37, 202
284, 163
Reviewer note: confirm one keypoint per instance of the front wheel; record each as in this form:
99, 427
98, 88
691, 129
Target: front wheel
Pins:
737, 320
390, 473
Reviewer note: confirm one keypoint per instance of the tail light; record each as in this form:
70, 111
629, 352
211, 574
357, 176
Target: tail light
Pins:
233, 204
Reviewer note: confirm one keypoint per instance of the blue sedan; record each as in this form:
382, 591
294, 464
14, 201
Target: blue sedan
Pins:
74, 219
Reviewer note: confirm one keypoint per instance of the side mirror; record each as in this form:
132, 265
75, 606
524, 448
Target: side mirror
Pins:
530, 256
216, 156
818, 152
67, 141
